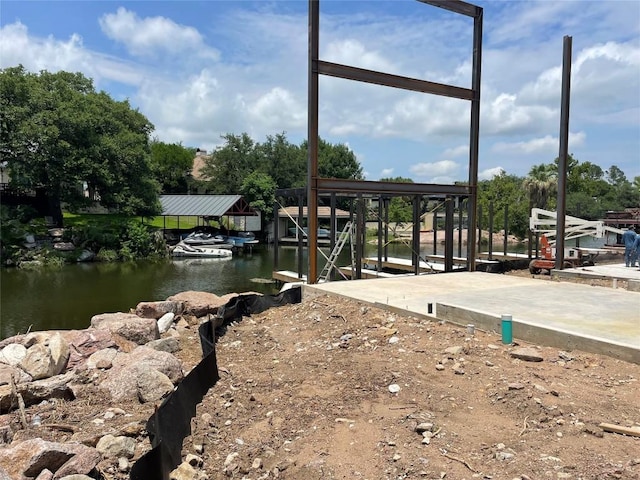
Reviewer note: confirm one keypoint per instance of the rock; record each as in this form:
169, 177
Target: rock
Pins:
83, 462
85, 256
394, 388
504, 455
527, 354
257, 463
199, 303
456, 350
83, 343
114, 447
157, 310
393, 340
153, 385
64, 246
515, 386
165, 322
230, 458
102, 358
31, 457
77, 477
59, 350
7, 372
13, 354
35, 392
122, 379
128, 326
123, 464
184, 472
38, 362
439, 367
45, 474
193, 460
169, 344
424, 427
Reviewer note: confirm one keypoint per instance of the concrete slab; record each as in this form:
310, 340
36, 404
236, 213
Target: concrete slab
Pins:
593, 319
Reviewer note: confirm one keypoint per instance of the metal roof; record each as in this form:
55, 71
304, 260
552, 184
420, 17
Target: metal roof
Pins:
205, 205
323, 212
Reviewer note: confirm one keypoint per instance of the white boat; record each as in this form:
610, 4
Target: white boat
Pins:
184, 250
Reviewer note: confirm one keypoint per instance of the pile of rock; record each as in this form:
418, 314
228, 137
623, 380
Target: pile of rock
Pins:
127, 357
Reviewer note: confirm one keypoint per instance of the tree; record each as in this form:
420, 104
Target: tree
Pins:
259, 189
230, 164
59, 134
284, 162
400, 208
540, 184
171, 165
505, 191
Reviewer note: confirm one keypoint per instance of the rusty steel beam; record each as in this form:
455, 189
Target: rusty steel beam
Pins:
456, 6
340, 185
389, 80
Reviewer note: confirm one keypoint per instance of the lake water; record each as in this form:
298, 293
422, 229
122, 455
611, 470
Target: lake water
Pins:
67, 298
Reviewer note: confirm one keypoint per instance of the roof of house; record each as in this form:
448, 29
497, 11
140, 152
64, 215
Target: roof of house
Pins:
323, 212
205, 205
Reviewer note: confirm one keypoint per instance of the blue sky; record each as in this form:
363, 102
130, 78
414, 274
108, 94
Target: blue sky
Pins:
201, 69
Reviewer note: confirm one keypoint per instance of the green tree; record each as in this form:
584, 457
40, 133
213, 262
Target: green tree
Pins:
400, 208
505, 191
259, 189
230, 164
540, 185
283, 161
58, 134
171, 165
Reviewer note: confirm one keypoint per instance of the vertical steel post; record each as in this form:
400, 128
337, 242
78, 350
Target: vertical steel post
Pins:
301, 235
506, 227
491, 230
380, 208
386, 229
415, 237
448, 235
312, 141
459, 227
564, 148
276, 234
474, 139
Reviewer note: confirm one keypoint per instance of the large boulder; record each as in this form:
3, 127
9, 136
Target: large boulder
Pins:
29, 458
83, 343
7, 372
198, 304
13, 354
38, 362
122, 381
59, 349
127, 325
37, 391
158, 309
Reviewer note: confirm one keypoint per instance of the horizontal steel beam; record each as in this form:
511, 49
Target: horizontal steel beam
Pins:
339, 185
390, 80
456, 6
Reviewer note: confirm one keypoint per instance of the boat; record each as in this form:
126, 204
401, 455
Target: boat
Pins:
192, 251
322, 232
240, 239
208, 239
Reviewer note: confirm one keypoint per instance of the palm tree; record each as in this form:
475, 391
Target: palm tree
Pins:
540, 184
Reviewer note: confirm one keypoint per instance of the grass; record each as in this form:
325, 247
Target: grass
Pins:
183, 222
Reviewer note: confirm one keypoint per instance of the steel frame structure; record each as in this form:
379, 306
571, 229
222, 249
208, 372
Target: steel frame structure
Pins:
317, 185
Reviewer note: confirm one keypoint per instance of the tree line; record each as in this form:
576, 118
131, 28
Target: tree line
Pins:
74, 145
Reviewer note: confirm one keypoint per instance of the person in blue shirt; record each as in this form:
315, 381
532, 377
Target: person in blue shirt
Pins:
628, 239
635, 250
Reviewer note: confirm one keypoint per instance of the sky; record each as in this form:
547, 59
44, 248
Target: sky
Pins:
201, 69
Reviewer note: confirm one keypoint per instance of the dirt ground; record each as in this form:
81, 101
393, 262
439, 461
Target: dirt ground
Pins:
336, 389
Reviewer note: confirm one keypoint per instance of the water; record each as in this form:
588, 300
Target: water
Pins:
69, 297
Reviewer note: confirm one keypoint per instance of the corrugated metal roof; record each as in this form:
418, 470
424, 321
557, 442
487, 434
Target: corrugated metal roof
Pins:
323, 212
198, 205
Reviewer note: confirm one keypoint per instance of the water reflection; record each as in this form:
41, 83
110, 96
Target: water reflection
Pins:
69, 297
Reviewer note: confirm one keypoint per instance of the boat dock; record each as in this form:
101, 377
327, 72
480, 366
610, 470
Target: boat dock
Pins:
560, 314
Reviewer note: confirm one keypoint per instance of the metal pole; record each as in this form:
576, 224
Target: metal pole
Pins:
386, 229
276, 234
474, 138
301, 235
459, 227
415, 251
435, 232
506, 227
359, 235
312, 140
564, 147
380, 208
490, 230
448, 235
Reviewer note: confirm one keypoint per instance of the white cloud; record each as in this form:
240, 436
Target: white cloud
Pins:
489, 173
277, 110
459, 151
547, 145
51, 54
443, 168
152, 35
386, 173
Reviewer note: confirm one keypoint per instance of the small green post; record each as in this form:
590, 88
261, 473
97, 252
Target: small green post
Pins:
507, 329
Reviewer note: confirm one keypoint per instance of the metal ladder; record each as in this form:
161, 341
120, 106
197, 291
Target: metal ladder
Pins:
346, 234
